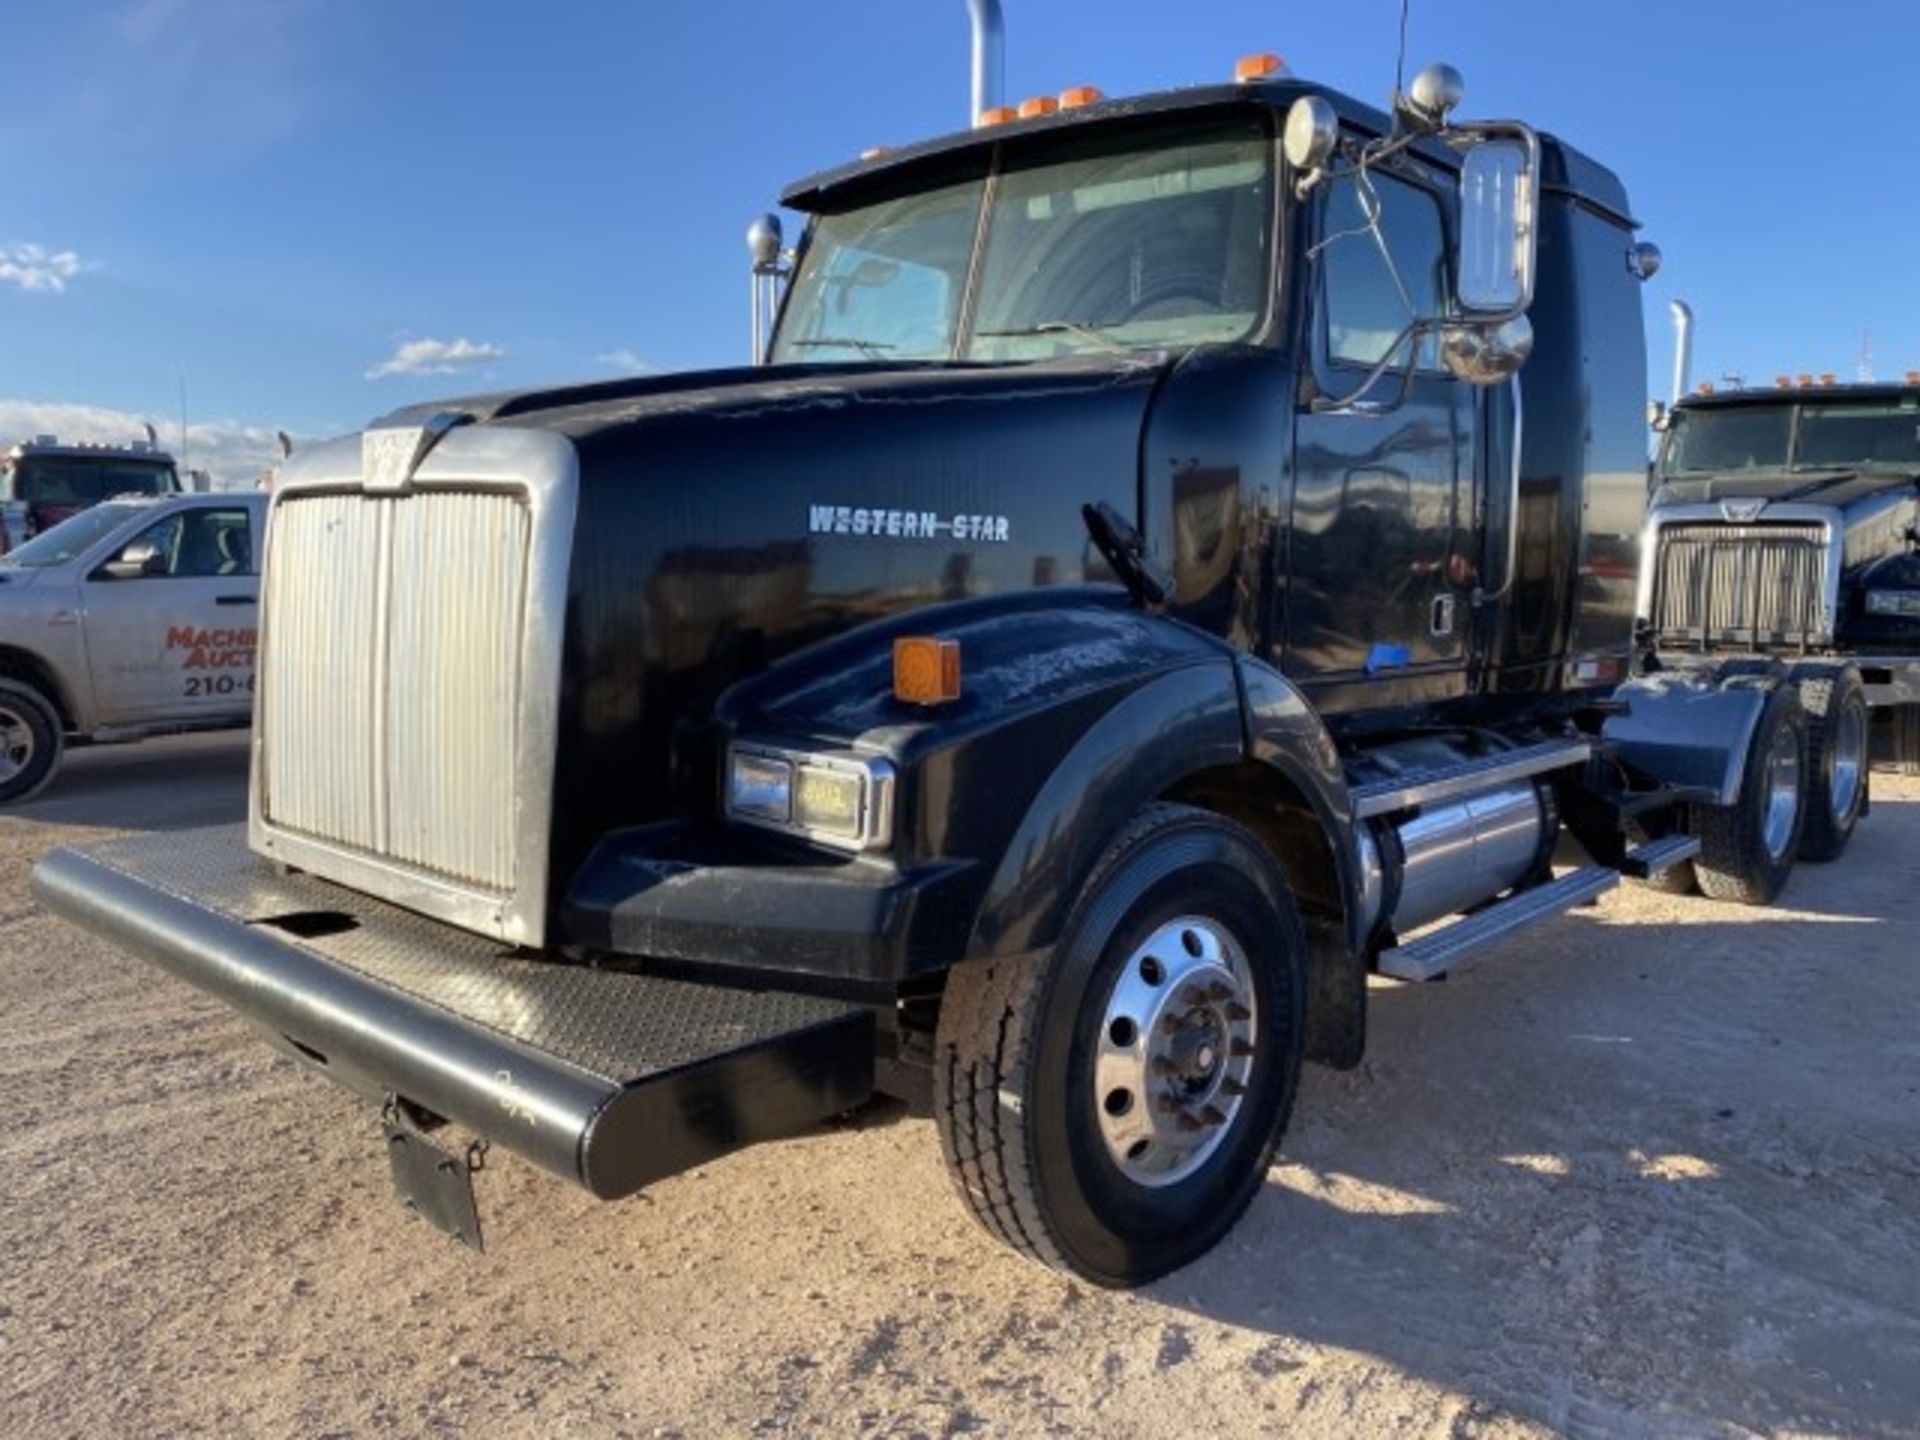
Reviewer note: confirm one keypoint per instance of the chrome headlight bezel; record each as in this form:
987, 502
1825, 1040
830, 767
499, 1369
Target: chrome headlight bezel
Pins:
872, 822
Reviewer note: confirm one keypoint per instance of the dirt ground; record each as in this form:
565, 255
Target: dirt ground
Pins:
1653, 1171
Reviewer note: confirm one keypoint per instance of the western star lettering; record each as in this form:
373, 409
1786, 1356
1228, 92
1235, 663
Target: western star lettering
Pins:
904, 524
209, 649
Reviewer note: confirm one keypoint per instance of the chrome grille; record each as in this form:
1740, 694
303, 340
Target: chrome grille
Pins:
1741, 584
391, 686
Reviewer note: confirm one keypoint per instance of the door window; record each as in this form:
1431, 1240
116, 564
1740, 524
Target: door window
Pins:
190, 544
1378, 277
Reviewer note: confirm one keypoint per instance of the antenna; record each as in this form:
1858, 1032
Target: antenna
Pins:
183, 423
1863, 371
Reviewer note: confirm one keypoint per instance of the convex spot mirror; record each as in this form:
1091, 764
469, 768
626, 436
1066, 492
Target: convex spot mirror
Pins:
1499, 233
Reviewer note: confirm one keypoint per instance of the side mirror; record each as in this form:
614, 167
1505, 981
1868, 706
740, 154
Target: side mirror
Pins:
1658, 418
1499, 231
139, 559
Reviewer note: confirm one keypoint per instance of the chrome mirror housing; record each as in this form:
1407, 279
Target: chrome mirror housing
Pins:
1499, 231
1486, 353
1432, 97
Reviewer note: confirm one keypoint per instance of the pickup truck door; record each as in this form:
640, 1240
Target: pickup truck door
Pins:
1383, 560
170, 617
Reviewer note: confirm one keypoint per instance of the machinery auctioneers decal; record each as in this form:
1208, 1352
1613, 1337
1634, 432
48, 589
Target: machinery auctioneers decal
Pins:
904, 524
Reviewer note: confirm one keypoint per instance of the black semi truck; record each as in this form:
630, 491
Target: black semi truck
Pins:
1143, 595
1786, 523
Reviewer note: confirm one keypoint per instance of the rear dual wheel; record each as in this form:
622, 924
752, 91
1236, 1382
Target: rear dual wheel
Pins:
1111, 1107
1747, 849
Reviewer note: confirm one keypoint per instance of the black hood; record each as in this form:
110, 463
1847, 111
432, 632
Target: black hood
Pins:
730, 519
1828, 487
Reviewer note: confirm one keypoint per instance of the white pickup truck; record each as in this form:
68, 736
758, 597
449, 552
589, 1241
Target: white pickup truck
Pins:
133, 618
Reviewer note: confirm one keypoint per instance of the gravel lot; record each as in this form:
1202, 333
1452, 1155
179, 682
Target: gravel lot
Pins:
1656, 1170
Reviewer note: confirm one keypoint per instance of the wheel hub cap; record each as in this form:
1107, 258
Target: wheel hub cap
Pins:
16, 744
1175, 1051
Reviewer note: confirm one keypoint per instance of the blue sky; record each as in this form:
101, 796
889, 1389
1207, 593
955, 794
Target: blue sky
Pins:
313, 210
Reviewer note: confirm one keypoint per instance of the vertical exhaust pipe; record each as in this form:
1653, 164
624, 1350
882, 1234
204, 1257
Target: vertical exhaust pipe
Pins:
1682, 348
989, 56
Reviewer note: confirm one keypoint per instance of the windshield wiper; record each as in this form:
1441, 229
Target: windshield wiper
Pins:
1079, 329
871, 348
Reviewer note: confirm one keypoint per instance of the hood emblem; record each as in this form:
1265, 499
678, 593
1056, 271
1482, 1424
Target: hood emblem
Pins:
1741, 512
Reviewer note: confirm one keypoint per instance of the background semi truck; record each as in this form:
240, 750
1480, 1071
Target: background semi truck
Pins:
1178, 561
1786, 522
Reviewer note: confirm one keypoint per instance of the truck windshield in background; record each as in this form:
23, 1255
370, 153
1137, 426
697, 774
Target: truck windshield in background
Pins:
1124, 242
71, 481
1823, 436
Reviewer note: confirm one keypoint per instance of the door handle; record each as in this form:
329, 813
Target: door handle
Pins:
234, 600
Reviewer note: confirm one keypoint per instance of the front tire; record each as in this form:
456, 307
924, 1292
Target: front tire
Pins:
1747, 849
1111, 1107
1837, 760
30, 740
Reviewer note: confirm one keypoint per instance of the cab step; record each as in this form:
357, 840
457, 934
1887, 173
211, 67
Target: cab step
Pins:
1453, 947
1430, 787
1657, 855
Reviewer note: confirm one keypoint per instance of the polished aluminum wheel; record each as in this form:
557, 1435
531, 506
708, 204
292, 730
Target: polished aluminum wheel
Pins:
1783, 791
1176, 1048
1846, 759
16, 743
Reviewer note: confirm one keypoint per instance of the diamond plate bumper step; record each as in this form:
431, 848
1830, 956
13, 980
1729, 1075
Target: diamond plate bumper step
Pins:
1453, 947
607, 1078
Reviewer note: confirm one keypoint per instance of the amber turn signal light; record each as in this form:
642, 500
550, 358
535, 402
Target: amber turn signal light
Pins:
1256, 67
926, 671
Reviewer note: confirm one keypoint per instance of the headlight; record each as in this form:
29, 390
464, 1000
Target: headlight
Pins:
1894, 602
835, 799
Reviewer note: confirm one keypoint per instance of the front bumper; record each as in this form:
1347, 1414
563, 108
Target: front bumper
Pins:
607, 1078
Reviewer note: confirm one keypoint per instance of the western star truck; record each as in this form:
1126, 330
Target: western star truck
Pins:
1786, 523
1143, 594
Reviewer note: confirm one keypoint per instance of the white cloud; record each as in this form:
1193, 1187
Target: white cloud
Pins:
623, 360
234, 454
33, 267
435, 357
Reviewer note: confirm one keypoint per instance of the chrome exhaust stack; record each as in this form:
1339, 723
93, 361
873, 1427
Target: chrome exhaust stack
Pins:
1682, 348
989, 56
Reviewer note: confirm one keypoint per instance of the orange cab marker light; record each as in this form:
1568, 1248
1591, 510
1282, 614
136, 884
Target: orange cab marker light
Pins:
1827, 378
1705, 387
874, 152
998, 115
1076, 96
1036, 105
1257, 67
1913, 377
1805, 379
926, 671
1781, 382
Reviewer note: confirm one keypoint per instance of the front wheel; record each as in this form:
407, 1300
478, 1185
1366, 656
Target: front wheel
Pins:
30, 737
1112, 1106
1747, 849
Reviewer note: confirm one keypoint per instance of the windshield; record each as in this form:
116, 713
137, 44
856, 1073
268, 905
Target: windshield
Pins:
1125, 242
71, 537
1793, 437
85, 480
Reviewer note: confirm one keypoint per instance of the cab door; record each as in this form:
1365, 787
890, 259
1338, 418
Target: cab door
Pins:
170, 616
1379, 600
